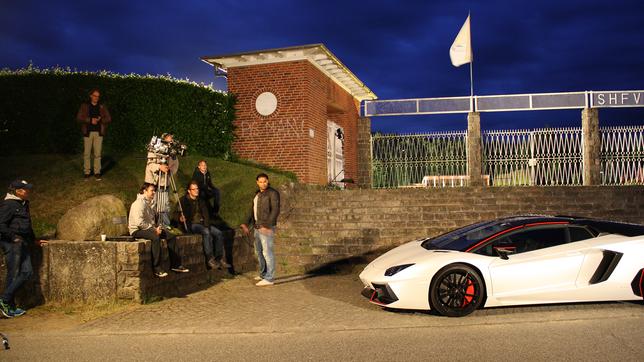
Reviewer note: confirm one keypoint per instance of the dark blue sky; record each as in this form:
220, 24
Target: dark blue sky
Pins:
400, 49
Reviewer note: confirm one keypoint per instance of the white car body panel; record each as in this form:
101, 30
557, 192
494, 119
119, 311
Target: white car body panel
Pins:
556, 274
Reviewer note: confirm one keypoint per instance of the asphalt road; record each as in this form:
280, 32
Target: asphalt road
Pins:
325, 318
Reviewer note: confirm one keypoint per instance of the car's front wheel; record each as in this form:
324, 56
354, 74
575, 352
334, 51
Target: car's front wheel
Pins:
456, 290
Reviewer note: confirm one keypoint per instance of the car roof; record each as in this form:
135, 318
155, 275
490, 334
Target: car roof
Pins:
606, 226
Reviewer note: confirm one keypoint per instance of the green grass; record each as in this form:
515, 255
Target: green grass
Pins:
59, 184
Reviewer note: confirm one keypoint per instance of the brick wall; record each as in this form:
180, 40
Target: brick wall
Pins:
306, 100
318, 227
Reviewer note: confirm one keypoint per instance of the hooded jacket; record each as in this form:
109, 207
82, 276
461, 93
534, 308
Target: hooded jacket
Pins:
15, 219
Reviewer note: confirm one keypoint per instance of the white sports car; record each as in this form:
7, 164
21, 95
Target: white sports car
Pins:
511, 261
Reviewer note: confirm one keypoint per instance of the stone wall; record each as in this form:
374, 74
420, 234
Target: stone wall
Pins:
320, 226
86, 271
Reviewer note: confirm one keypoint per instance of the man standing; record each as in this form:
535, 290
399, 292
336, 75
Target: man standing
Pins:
15, 235
142, 226
159, 172
196, 219
93, 117
263, 216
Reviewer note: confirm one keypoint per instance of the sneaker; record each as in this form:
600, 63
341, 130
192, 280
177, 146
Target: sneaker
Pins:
223, 264
264, 282
160, 274
180, 269
258, 278
98, 177
5, 309
212, 263
17, 312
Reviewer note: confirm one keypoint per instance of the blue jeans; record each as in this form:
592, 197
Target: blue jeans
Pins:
19, 268
264, 251
211, 237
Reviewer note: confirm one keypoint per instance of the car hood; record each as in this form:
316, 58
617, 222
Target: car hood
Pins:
407, 253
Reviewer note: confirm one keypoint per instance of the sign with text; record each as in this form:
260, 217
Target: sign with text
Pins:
617, 99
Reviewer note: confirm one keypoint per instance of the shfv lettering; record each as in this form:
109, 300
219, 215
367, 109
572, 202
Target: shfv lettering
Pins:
608, 99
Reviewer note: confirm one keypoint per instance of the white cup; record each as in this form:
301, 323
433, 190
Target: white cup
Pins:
103, 237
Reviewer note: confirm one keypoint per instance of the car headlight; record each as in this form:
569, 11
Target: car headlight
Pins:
395, 269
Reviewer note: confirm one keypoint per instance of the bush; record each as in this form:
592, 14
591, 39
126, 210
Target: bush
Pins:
38, 111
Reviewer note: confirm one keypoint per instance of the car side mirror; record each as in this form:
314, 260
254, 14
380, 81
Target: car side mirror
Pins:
503, 253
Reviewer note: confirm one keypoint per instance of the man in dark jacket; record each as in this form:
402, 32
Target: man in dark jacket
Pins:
15, 235
208, 191
196, 219
93, 118
263, 216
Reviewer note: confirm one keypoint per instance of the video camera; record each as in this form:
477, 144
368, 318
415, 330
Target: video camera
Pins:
161, 147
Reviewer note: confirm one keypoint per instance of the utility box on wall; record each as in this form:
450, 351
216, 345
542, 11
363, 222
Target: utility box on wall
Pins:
298, 109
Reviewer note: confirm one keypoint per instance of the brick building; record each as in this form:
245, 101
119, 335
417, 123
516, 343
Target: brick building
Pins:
294, 105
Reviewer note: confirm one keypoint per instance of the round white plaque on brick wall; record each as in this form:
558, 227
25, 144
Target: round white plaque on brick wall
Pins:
266, 103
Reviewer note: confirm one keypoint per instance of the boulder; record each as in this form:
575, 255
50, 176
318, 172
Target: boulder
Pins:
103, 214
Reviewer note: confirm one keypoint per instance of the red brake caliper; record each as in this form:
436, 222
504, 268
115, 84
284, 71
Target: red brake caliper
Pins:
469, 292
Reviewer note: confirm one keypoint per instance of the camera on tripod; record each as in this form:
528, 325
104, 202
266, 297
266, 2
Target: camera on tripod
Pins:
165, 148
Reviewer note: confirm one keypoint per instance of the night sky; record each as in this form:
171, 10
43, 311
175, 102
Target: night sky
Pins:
399, 49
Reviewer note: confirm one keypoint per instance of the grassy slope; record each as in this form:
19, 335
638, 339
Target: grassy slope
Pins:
59, 185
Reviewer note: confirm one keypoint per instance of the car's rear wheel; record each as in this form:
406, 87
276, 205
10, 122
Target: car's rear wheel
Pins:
456, 290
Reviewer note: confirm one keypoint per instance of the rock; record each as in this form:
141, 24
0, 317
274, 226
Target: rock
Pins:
103, 214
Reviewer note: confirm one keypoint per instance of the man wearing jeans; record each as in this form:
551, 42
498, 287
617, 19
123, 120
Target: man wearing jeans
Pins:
196, 219
15, 236
263, 218
141, 225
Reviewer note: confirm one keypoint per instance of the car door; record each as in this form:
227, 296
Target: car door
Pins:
542, 264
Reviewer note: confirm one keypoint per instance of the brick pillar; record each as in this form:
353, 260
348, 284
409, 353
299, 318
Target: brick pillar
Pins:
364, 153
591, 146
474, 148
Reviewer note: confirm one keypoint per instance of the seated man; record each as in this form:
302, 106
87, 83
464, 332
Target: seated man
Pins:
196, 219
141, 225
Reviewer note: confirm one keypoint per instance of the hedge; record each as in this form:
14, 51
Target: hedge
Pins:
38, 111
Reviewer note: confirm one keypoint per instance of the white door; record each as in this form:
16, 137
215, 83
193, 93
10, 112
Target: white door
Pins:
543, 268
334, 156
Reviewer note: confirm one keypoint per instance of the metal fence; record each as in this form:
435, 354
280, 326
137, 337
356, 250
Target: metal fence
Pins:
541, 157
404, 160
622, 155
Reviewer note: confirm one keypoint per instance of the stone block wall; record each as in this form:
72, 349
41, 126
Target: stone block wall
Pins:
92, 271
318, 227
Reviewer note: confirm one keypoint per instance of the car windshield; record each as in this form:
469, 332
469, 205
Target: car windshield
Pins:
461, 239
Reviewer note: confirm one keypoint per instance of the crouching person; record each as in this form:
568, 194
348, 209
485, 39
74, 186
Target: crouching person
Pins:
196, 219
141, 225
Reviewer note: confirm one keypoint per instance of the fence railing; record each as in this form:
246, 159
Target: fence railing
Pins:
540, 157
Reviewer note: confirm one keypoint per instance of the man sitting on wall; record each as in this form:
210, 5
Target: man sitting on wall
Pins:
142, 225
208, 191
196, 219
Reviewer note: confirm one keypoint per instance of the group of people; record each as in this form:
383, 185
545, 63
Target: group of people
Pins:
149, 218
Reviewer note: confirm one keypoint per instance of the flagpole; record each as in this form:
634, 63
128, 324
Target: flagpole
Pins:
471, 60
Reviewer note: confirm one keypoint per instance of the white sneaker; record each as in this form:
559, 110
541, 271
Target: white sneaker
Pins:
257, 278
264, 282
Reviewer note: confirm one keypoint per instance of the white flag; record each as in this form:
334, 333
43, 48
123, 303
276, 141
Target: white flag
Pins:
461, 51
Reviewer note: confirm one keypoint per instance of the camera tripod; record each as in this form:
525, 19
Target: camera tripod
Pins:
162, 202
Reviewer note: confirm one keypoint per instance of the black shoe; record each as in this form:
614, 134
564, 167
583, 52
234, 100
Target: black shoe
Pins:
98, 177
160, 274
86, 176
180, 269
232, 271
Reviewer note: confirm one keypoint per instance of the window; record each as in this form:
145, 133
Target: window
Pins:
579, 233
525, 240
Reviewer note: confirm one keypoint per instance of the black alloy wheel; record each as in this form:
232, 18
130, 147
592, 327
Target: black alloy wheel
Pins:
456, 291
